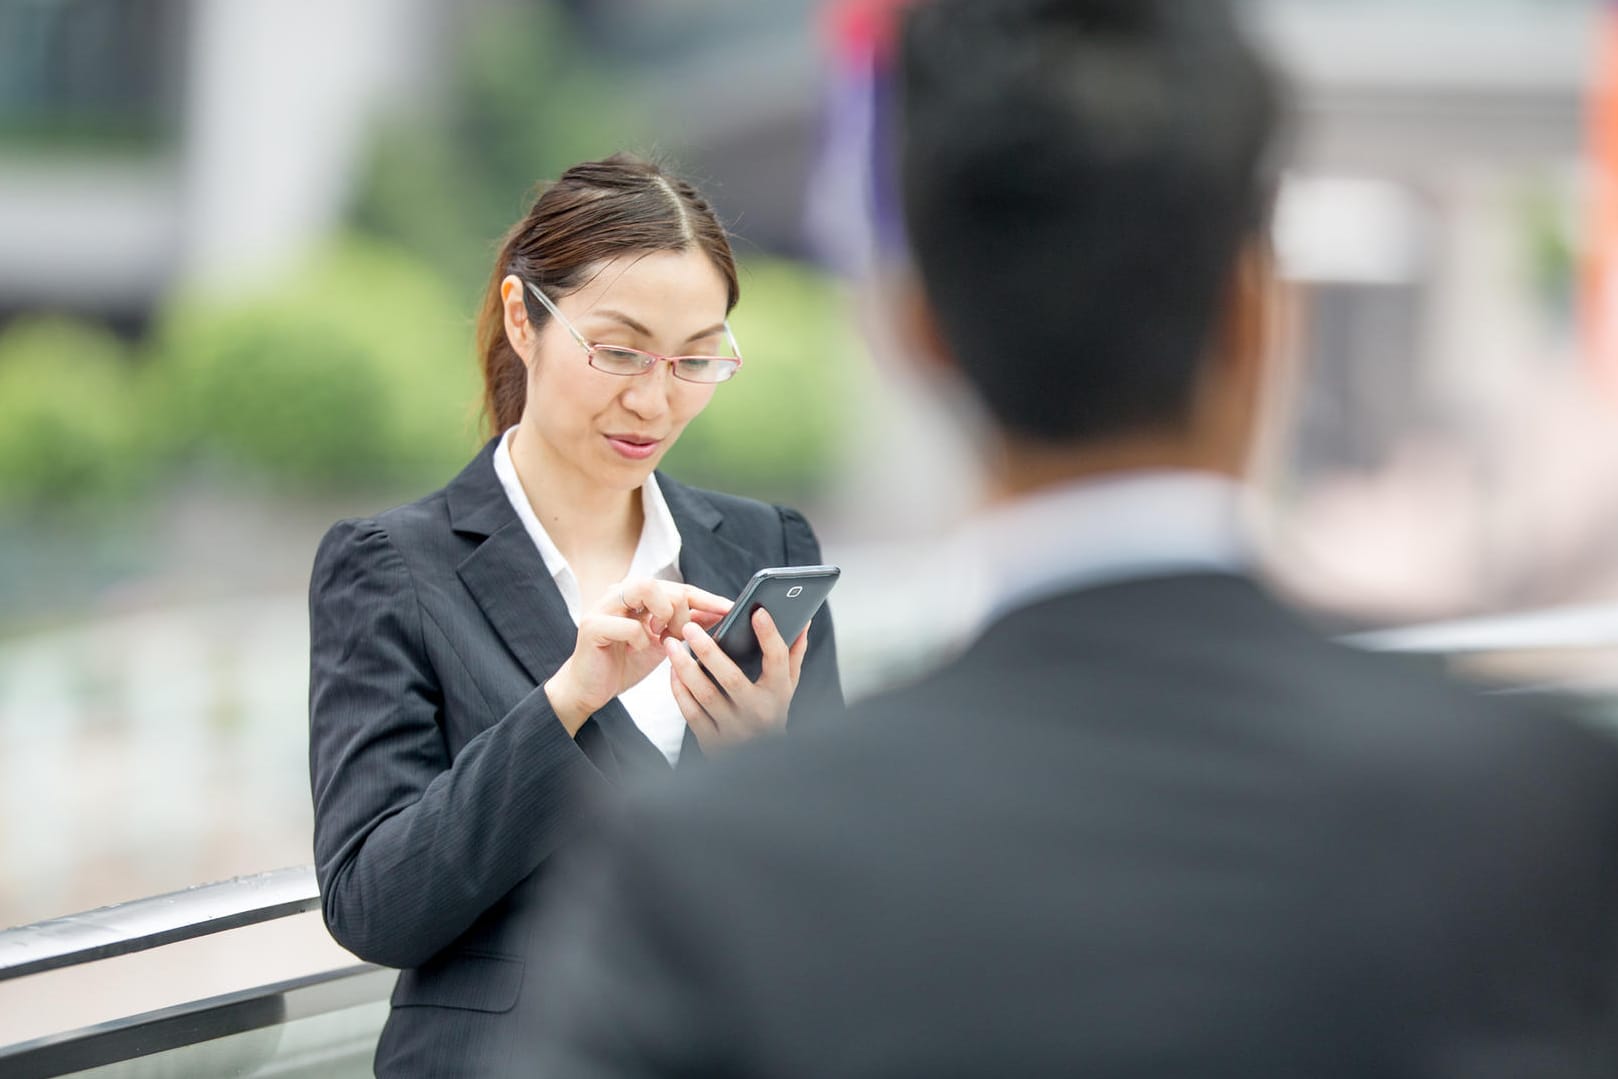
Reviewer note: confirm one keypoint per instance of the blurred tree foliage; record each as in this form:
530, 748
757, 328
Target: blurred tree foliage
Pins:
356, 370
524, 101
774, 430
68, 422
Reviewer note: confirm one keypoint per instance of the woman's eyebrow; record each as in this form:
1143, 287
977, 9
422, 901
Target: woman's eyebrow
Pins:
619, 316
712, 331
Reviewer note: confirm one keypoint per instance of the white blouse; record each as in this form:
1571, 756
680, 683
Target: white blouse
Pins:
650, 702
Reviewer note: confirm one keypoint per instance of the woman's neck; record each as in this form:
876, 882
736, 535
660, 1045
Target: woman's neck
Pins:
580, 516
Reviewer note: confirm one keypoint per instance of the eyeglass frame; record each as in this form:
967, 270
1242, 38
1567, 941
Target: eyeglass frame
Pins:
656, 358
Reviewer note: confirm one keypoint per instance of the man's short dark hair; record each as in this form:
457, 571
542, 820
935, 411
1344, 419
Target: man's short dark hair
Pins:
1078, 178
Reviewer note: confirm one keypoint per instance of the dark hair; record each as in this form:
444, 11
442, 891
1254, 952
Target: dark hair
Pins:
594, 212
1079, 177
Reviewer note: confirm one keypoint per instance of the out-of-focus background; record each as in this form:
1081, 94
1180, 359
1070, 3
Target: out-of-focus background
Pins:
241, 244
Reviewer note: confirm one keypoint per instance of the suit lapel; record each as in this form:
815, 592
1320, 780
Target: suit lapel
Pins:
506, 577
708, 560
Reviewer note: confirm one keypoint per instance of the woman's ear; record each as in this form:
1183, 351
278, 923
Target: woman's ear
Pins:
519, 331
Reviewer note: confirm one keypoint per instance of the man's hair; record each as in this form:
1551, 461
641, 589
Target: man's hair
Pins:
1079, 177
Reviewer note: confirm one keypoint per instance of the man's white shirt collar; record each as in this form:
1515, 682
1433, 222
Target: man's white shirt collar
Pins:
1149, 523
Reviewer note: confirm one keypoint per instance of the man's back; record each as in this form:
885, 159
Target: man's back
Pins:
1149, 828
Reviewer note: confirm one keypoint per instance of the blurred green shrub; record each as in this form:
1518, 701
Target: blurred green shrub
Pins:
66, 415
523, 103
776, 429
354, 371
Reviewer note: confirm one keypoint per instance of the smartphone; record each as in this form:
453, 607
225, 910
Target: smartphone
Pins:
792, 595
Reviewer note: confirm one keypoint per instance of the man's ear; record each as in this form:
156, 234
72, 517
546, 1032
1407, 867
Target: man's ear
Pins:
1238, 386
1245, 344
519, 331
921, 339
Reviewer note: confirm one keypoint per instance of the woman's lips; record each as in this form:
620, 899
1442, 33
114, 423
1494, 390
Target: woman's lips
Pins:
633, 447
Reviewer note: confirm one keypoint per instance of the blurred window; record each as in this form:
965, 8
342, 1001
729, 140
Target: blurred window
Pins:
92, 72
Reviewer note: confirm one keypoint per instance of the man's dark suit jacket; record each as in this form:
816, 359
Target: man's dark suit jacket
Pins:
1154, 828
443, 782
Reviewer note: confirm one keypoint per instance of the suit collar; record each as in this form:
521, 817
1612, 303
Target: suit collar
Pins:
708, 560
508, 580
1106, 529
478, 505
690, 506
505, 573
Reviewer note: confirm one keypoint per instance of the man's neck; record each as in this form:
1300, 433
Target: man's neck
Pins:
1018, 468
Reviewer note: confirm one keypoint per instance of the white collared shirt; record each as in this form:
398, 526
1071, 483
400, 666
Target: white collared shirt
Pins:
650, 702
1150, 523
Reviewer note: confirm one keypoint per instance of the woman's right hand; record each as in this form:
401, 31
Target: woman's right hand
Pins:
620, 642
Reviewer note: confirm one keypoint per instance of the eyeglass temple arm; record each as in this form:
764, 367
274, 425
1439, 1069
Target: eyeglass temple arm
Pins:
731, 337
557, 315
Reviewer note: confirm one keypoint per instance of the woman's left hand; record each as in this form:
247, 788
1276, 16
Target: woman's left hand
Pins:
719, 703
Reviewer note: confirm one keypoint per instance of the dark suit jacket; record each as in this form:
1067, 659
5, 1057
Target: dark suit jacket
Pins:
1156, 828
443, 783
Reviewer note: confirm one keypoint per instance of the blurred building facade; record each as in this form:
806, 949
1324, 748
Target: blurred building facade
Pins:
145, 141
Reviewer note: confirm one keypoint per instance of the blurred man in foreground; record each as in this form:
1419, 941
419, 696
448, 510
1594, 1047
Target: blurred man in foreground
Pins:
1149, 824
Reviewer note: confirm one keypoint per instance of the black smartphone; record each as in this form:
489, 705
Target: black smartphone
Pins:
792, 595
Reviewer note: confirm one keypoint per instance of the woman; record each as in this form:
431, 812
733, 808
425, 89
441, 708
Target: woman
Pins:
490, 661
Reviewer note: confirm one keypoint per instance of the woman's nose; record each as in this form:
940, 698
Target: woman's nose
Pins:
647, 396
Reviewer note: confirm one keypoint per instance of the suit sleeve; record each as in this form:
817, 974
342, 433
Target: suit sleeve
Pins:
820, 690
412, 847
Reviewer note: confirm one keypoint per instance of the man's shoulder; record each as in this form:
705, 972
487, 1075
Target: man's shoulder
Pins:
1241, 676
841, 759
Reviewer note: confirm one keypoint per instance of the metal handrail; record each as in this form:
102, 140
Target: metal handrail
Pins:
155, 921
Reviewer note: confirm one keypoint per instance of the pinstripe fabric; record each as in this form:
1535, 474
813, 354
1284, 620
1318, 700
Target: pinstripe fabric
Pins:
442, 782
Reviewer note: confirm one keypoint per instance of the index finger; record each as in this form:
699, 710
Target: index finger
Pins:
700, 600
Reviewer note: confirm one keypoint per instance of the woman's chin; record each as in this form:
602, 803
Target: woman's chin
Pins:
627, 475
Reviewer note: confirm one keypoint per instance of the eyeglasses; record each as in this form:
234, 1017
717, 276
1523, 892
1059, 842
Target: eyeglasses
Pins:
619, 360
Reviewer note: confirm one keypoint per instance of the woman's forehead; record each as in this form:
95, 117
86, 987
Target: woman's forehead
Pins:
657, 285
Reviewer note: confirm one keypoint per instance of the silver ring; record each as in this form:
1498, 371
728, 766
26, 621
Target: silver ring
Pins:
624, 600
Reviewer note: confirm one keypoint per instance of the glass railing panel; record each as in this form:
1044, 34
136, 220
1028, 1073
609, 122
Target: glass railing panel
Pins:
326, 1025
108, 989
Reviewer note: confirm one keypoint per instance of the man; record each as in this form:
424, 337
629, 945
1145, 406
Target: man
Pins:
1149, 824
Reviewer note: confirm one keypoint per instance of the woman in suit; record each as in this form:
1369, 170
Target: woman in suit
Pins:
488, 663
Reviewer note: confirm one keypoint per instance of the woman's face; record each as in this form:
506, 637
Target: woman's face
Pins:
614, 429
